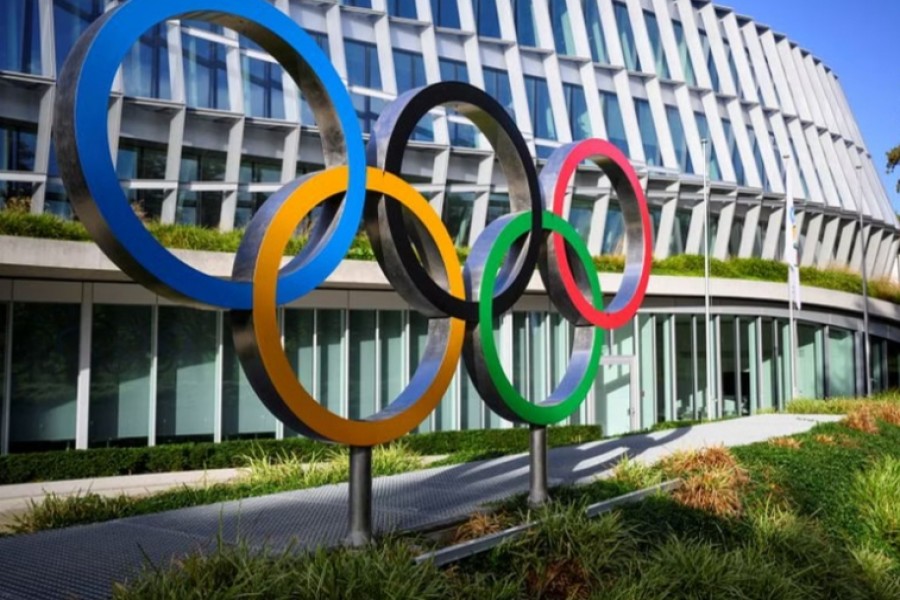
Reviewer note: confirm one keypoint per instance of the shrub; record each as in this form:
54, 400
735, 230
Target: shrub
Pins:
876, 491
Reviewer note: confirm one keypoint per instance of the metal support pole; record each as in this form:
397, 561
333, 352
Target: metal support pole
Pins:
792, 325
710, 404
360, 532
538, 494
864, 239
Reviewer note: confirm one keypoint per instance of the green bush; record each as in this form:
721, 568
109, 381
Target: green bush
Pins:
106, 462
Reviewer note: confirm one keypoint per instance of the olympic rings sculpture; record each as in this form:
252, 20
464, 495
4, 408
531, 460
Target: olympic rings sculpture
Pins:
362, 184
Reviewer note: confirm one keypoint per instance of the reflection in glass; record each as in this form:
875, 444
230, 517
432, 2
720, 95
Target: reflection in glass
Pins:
612, 117
679, 140
18, 142
576, 107
684, 54
626, 36
20, 49
562, 27
263, 88
243, 413
120, 375
362, 64
205, 73
652, 153
486, 18
715, 173
329, 348
299, 332
458, 210
496, 84
145, 69
186, 380
361, 375
401, 8
70, 19
614, 231
203, 209
597, 42
444, 13
526, 30
841, 362
685, 399
44, 376
659, 55
391, 347
141, 160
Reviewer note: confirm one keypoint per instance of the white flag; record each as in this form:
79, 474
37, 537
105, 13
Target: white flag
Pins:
791, 240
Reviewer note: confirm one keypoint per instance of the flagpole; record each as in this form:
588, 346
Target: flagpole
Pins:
710, 405
865, 285
790, 251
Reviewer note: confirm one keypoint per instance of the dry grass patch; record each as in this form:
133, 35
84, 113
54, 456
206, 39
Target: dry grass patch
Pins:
786, 442
862, 420
479, 525
712, 480
825, 440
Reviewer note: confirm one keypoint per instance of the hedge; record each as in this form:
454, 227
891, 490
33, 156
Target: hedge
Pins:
188, 237
107, 462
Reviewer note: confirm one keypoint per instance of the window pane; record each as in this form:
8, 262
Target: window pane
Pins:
498, 205
626, 36
739, 172
710, 62
410, 70
205, 73
541, 111
685, 401
390, 332
299, 329
20, 49
684, 54
458, 210
576, 105
330, 334
44, 376
361, 376
199, 208
186, 382
496, 84
562, 27
659, 55
120, 375
453, 70
445, 13
715, 173
523, 13
70, 19
648, 132
402, 8
596, 40
614, 231
486, 18
362, 64
841, 363
18, 142
263, 88
612, 116
243, 413
138, 160
679, 140
145, 69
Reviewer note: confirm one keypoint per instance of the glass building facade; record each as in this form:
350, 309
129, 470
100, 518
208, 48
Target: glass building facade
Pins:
205, 126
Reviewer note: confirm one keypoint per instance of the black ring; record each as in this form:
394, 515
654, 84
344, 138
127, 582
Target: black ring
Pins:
403, 254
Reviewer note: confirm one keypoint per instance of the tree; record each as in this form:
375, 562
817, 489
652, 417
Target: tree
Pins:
893, 159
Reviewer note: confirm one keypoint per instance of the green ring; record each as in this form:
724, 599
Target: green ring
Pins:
534, 413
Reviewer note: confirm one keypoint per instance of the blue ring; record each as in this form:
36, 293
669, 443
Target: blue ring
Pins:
114, 39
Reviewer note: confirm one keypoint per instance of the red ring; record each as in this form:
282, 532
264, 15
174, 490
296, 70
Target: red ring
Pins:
608, 320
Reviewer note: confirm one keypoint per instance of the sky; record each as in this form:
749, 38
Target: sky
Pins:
859, 41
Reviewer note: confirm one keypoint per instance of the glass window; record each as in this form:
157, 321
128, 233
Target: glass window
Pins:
580, 215
680, 232
758, 159
541, 111
444, 13
526, 31
458, 210
329, 353
205, 73
203, 209
357, 3
147, 204
198, 164
498, 205
243, 413
732, 67
362, 381
20, 32
248, 204
626, 37
260, 170
44, 376
70, 19
685, 368
841, 363
486, 18
612, 117
614, 231
562, 28
120, 376
401, 8
139, 160
659, 54
145, 69
715, 173
648, 132
496, 84
739, 172
597, 42
684, 54
263, 88
18, 142
321, 39
679, 140
391, 346
299, 332
710, 61
362, 64
576, 106
453, 70
186, 380
810, 361
410, 70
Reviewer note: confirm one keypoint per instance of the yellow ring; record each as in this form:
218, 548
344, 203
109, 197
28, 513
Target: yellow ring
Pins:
389, 424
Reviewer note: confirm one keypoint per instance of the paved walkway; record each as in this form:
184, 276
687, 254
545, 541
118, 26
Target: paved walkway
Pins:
83, 562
